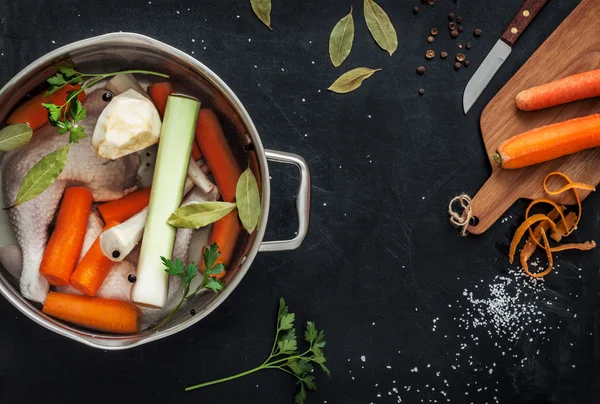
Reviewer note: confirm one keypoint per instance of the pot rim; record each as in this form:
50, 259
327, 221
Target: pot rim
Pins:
107, 342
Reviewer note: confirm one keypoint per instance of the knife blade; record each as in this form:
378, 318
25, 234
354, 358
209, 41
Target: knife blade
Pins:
500, 52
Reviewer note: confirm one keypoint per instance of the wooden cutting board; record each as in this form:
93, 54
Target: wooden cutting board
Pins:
573, 48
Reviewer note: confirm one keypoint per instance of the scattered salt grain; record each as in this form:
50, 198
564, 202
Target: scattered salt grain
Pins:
363, 358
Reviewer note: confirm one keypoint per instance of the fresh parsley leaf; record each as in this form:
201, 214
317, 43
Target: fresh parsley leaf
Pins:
216, 269
309, 381
211, 254
283, 309
310, 335
287, 321
300, 367
54, 112
190, 272
173, 268
214, 285
288, 344
76, 134
67, 69
77, 112
57, 80
62, 127
300, 398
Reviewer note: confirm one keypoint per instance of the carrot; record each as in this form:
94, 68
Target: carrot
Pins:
93, 267
159, 92
225, 232
549, 142
196, 153
108, 315
122, 209
63, 250
223, 165
34, 114
568, 89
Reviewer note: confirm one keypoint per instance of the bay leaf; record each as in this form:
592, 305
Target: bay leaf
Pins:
42, 175
351, 80
14, 136
199, 214
381, 27
248, 200
262, 9
340, 40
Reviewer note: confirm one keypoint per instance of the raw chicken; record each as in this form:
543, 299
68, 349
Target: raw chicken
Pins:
108, 180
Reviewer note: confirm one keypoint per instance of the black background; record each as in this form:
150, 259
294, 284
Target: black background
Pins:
380, 261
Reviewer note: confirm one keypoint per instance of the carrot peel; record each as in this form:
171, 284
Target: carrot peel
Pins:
564, 227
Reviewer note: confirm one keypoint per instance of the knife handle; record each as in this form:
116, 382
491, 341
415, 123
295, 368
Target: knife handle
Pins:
525, 15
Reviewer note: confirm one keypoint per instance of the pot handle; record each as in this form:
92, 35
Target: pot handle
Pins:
302, 201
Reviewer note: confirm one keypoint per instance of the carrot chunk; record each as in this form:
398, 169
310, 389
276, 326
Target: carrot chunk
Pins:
93, 268
34, 114
122, 209
225, 232
221, 161
63, 250
107, 315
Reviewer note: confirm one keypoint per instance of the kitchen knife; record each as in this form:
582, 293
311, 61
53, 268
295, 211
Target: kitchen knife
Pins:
500, 52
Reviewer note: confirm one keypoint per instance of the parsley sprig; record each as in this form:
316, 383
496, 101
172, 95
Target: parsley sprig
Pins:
209, 280
285, 356
66, 116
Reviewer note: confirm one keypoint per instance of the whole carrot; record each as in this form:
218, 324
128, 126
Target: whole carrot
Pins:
568, 89
549, 142
225, 232
34, 114
108, 315
213, 144
93, 267
124, 208
63, 250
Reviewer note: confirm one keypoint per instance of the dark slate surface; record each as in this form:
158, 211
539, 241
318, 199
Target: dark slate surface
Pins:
380, 263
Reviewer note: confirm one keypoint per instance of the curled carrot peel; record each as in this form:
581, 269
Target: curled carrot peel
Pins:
548, 254
530, 245
565, 226
530, 221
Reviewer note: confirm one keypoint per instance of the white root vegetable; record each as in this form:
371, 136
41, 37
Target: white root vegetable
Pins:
123, 82
117, 242
128, 124
199, 178
170, 173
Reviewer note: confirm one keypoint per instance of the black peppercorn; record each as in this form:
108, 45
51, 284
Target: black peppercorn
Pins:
131, 278
107, 96
116, 254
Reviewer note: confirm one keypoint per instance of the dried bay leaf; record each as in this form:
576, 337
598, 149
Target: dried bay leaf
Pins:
248, 200
340, 40
42, 175
262, 9
14, 136
351, 80
381, 27
196, 215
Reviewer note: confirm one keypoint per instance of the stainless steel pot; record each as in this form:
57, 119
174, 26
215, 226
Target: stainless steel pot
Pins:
120, 51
